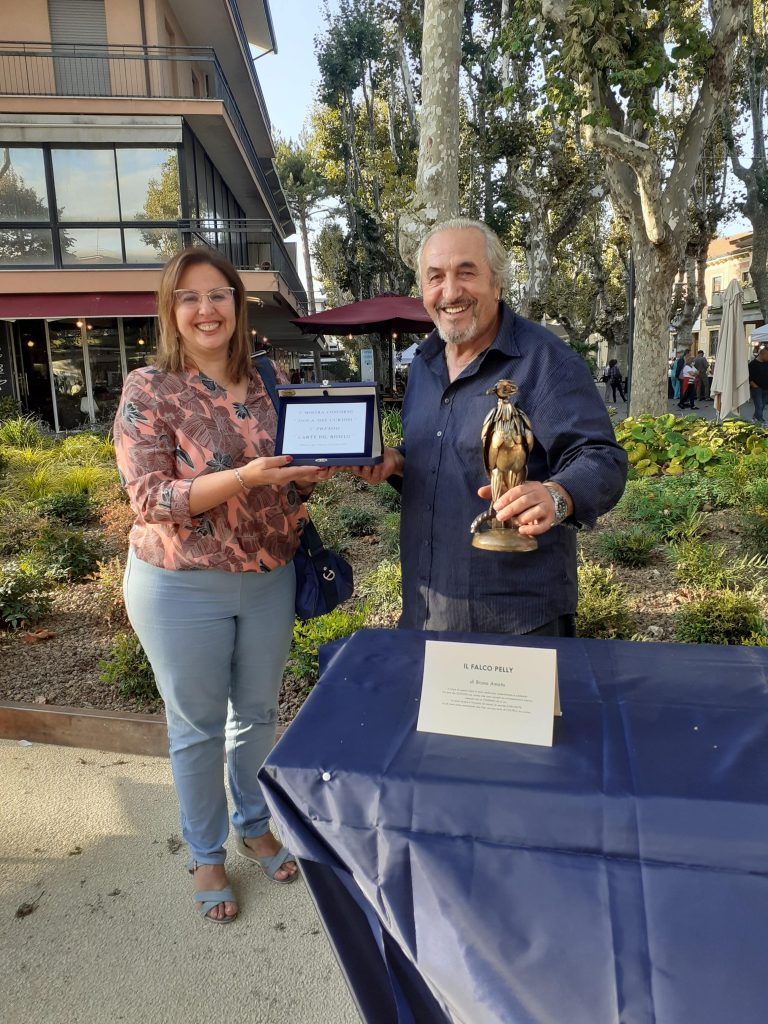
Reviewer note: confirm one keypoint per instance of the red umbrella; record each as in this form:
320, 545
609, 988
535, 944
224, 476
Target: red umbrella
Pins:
386, 314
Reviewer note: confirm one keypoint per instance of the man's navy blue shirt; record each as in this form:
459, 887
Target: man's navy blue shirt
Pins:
447, 583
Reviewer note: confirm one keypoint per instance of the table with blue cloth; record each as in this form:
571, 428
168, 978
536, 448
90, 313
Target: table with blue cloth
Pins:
617, 877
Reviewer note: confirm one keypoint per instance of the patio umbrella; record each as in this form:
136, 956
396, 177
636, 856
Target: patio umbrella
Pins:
385, 315
406, 357
730, 380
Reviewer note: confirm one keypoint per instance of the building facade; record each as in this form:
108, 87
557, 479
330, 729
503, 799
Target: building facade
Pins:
728, 259
129, 128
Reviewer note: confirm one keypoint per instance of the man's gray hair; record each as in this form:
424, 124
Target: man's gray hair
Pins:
497, 256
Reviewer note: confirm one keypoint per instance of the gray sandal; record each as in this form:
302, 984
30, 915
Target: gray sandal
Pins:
269, 865
210, 898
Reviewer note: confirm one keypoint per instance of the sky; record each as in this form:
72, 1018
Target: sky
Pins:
289, 79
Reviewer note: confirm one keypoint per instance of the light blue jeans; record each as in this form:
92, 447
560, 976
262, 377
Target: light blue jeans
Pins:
217, 643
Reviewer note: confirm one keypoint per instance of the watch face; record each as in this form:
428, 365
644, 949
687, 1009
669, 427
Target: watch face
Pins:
561, 508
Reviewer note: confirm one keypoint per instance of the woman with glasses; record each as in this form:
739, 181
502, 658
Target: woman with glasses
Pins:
209, 583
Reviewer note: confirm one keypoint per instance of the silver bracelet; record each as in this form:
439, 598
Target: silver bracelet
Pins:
240, 480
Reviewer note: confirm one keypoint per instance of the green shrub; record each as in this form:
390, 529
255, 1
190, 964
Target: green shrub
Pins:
127, 668
754, 533
69, 551
658, 505
73, 509
9, 409
84, 479
382, 588
387, 496
358, 522
392, 428
19, 526
109, 579
699, 564
326, 519
389, 531
673, 446
87, 449
309, 636
24, 432
757, 495
25, 592
603, 611
116, 517
38, 484
3, 466
720, 617
632, 545
688, 529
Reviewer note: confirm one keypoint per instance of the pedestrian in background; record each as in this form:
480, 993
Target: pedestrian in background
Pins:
616, 379
688, 378
758, 384
701, 363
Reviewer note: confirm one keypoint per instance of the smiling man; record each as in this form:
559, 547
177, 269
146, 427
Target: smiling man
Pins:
576, 470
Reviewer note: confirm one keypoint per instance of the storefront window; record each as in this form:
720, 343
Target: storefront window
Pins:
106, 370
139, 338
68, 368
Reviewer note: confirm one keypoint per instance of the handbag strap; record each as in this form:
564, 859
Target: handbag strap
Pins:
267, 374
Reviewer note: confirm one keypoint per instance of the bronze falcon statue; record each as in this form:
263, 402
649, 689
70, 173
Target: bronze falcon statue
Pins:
507, 439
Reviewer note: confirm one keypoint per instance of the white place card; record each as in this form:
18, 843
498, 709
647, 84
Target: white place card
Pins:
489, 692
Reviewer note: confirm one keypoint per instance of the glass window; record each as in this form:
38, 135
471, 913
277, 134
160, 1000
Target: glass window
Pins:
68, 374
149, 184
86, 184
139, 337
23, 192
150, 245
91, 246
27, 247
106, 372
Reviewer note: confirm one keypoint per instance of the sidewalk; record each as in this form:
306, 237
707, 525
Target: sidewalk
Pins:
91, 839
704, 410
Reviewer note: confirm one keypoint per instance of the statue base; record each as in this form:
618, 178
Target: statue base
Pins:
503, 540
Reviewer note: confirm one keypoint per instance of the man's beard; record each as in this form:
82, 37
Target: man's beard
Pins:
455, 336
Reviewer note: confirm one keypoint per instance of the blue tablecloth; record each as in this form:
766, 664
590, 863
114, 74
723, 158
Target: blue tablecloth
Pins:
618, 877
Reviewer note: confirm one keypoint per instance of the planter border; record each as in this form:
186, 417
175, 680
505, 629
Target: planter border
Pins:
119, 732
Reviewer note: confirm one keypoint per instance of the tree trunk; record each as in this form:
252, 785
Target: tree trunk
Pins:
405, 71
304, 235
437, 178
655, 267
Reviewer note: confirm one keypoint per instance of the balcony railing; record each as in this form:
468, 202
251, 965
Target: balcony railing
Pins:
129, 72
249, 244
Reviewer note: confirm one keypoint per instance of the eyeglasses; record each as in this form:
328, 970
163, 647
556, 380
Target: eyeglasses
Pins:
192, 299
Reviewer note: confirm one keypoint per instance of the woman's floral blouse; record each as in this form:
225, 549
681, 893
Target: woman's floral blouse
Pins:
173, 427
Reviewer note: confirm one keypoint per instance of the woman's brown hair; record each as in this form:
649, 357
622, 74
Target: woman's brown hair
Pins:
170, 354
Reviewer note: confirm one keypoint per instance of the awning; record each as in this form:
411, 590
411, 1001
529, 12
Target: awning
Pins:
67, 305
382, 315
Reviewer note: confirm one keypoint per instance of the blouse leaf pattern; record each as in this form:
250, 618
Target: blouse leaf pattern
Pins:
220, 461
208, 383
168, 426
182, 456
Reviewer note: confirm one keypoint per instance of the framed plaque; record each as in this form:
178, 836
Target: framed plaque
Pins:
329, 424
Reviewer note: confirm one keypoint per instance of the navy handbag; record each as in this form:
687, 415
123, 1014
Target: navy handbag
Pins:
323, 577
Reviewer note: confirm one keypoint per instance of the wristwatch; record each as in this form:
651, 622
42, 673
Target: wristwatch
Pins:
561, 505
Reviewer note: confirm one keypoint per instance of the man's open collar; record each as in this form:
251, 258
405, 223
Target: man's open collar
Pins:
504, 342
